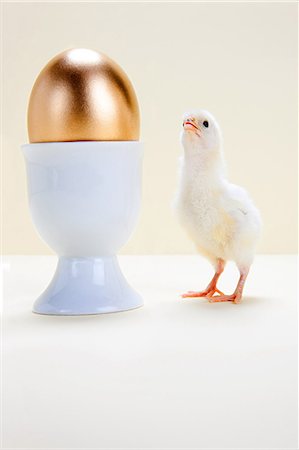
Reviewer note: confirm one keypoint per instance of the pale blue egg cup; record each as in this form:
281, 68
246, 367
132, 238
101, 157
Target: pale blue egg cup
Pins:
85, 199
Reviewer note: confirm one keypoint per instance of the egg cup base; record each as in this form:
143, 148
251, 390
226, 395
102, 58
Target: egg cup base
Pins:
93, 285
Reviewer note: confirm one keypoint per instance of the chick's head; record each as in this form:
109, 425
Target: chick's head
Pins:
201, 133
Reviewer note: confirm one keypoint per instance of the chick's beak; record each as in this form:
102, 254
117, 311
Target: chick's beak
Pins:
189, 125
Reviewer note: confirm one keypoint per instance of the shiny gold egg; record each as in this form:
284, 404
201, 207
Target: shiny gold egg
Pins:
82, 95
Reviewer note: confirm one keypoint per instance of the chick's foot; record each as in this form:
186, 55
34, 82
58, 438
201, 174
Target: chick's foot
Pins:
235, 298
208, 293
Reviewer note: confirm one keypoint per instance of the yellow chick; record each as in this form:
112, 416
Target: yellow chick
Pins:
218, 216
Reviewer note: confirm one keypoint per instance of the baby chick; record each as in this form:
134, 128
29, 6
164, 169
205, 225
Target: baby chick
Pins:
218, 216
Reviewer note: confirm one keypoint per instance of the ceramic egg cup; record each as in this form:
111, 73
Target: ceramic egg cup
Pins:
84, 199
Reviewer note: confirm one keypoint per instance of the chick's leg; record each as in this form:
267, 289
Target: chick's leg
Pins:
211, 289
237, 295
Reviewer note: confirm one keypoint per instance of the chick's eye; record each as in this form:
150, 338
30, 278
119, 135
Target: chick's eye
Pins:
205, 123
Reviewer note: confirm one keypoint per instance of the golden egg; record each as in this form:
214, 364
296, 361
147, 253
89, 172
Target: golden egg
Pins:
82, 95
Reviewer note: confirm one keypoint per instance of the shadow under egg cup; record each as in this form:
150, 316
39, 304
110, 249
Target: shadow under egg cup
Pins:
85, 199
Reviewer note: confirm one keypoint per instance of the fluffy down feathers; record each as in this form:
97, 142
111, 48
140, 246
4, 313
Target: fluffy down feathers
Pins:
219, 217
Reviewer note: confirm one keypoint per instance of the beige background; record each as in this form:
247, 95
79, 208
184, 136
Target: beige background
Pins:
238, 60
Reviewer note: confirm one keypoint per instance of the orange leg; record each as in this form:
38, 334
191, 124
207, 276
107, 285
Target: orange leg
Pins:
211, 289
237, 295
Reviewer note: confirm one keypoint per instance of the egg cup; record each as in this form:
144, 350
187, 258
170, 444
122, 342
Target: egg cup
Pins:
85, 199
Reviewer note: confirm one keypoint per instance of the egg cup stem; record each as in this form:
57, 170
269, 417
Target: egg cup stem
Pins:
87, 286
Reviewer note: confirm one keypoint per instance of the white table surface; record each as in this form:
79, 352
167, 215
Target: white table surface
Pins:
175, 374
